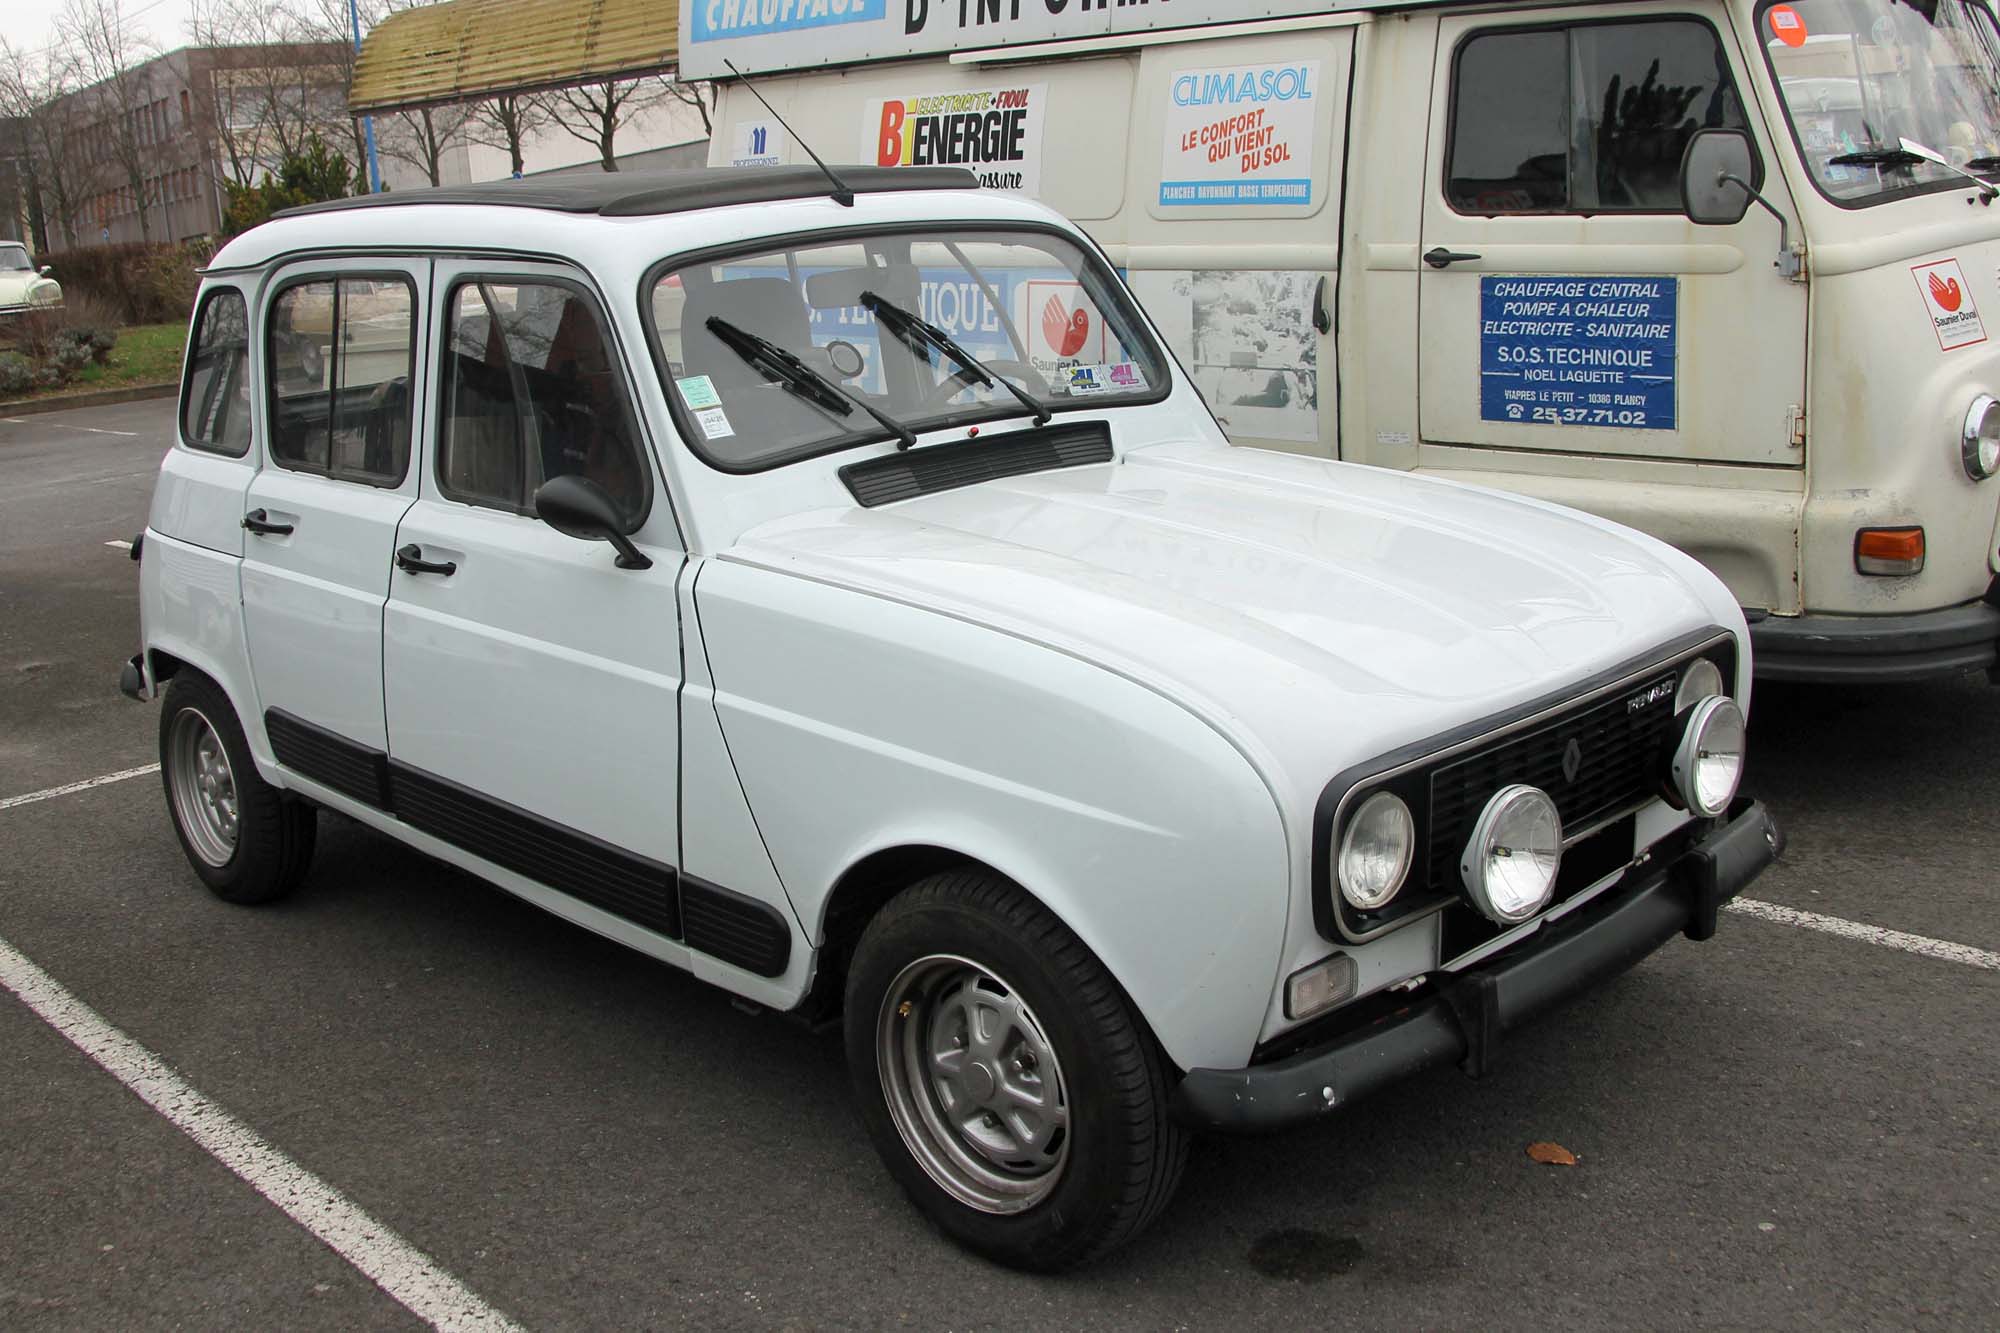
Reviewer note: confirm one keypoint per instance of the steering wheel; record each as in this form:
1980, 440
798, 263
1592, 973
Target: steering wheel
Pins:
957, 382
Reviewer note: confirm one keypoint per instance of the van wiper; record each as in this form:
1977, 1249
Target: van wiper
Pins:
783, 368
1983, 164
908, 326
1878, 157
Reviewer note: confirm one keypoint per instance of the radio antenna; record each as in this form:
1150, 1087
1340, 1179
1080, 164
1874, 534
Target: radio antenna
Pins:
842, 193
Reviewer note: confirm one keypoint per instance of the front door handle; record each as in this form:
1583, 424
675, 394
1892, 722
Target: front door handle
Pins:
411, 560
1443, 258
259, 522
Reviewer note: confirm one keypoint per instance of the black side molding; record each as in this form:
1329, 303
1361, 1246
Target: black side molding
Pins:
328, 757
740, 931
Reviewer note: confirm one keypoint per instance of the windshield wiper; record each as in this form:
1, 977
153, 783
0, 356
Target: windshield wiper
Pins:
1878, 157
908, 326
782, 367
1983, 164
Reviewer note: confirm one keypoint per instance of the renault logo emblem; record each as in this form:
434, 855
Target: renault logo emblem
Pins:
1572, 759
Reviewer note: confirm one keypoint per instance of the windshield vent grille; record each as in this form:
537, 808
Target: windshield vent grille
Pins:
945, 467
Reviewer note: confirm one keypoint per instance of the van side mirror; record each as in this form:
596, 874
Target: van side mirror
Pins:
578, 507
1715, 177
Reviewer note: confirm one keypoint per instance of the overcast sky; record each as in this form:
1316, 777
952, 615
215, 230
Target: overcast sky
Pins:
31, 24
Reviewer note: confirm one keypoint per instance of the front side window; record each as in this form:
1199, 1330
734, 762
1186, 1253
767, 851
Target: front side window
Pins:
215, 399
532, 391
1858, 77
340, 352
779, 354
1588, 119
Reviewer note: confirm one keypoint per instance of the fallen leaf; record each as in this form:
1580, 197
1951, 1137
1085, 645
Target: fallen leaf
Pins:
1551, 1154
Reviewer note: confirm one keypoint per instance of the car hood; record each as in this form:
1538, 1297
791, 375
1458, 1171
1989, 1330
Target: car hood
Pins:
15, 286
1319, 613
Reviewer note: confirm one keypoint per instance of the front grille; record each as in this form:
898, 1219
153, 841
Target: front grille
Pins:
1620, 752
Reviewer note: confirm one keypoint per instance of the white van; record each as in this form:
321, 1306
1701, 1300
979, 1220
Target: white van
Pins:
1514, 244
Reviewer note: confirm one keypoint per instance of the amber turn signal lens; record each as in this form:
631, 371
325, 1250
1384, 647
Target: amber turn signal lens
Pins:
1889, 550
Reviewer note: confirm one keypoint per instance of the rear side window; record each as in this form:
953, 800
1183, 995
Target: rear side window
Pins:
340, 351
215, 397
532, 391
1588, 119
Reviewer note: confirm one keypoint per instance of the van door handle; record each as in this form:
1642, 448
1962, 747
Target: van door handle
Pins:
411, 560
259, 522
1322, 318
1443, 258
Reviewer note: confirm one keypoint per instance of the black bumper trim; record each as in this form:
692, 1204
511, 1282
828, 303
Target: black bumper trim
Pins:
1466, 1012
1871, 650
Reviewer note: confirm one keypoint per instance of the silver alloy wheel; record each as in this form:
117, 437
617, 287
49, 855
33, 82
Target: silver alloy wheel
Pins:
973, 1084
204, 787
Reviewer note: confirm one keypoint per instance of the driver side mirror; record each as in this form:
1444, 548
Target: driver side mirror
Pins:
1715, 177
578, 507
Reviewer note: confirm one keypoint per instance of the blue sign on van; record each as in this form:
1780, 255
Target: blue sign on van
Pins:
1581, 351
712, 19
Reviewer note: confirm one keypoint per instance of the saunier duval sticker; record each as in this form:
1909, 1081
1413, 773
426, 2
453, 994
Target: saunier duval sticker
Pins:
1578, 351
1948, 301
1240, 135
994, 132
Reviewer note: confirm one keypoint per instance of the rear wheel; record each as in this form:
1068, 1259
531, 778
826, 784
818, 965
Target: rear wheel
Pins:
249, 841
1004, 1077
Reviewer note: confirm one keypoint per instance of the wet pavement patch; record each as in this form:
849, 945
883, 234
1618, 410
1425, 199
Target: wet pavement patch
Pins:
1300, 1255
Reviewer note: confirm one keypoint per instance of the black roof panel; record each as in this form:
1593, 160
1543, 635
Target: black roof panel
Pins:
616, 194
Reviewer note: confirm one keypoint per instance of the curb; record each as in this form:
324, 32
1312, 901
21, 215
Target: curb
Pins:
29, 407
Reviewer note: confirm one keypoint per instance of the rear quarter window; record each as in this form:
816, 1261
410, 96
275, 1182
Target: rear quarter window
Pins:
215, 389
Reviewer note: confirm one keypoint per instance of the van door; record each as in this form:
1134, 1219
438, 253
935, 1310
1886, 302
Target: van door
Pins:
1565, 301
533, 683
341, 385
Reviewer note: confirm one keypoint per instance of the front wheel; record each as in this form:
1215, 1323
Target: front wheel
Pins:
1004, 1077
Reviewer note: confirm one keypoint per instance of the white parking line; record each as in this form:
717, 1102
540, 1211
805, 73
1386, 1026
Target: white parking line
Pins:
29, 798
121, 545
406, 1273
1922, 945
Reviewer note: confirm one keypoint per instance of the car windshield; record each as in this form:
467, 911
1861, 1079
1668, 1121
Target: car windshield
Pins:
778, 354
1860, 76
13, 258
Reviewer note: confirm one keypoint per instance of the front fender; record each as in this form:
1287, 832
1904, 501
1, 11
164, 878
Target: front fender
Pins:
857, 722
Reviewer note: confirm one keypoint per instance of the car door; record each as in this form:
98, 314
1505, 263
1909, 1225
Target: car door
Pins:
342, 386
1566, 303
532, 677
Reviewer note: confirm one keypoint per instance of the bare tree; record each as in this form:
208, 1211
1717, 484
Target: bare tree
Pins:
593, 113
107, 50
700, 95
31, 90
506, 122
422, 137
264, 107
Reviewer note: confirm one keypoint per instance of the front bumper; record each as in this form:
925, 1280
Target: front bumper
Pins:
1462, 1017
1875, 650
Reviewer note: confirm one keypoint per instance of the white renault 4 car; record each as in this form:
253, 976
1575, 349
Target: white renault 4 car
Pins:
838, 593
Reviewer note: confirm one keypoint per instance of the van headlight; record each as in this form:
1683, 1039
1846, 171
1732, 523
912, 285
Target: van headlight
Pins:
1375, 851
1708, 762
1979, 441
1701, 680
1509, 864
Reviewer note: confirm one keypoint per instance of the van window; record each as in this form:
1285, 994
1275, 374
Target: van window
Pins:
215, 400
1586, 119
340, 352
532, 391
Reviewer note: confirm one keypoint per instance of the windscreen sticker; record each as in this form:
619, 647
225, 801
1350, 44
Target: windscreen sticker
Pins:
698, 391
1787, 26
1948, 301
714, 423
1578, 351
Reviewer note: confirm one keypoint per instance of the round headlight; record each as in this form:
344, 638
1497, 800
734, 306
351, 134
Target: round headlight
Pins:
1509, 864
1979, 442
1708, 763
1701, 680
1375, 851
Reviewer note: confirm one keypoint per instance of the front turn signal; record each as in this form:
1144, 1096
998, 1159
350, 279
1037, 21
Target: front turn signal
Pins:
1889, 550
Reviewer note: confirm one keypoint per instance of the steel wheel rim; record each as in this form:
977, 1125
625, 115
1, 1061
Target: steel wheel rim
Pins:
973, 1084
204, 788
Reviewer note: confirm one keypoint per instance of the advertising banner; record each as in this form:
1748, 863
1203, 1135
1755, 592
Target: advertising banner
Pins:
1578, 351
996, 133
1241, 135
767, 35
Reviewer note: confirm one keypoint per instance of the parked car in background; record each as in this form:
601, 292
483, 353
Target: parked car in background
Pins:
24, 287
710, 559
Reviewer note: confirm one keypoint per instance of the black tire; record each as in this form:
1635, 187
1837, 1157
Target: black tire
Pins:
1122, 1157
274, 831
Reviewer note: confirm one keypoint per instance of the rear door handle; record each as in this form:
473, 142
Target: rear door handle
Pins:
411, 560
1443, 258
259, 522
1322, 318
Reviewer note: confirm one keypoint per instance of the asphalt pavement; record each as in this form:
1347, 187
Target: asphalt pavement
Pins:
1781, 1128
